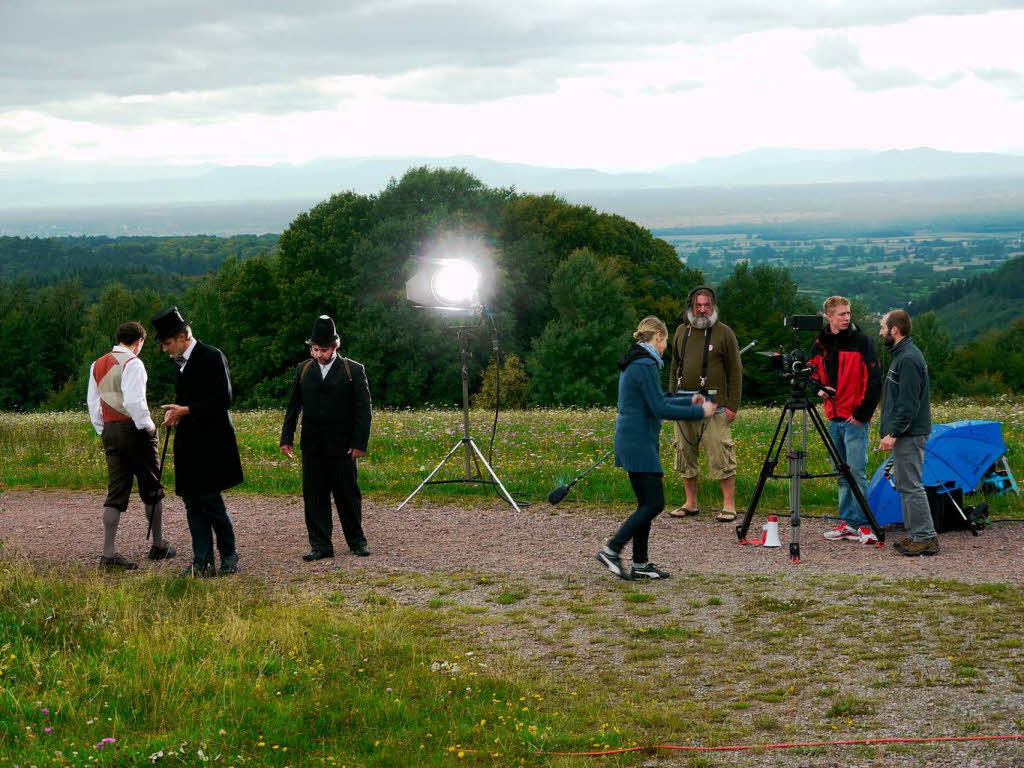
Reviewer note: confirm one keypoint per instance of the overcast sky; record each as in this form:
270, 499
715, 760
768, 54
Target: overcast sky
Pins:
609, 85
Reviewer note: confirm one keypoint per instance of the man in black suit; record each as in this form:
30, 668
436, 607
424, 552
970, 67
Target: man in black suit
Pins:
206, 459
334, 397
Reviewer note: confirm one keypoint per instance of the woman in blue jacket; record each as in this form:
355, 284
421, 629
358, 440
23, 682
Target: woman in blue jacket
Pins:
642, 406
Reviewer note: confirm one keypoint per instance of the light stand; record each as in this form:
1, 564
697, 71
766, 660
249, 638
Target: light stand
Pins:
796, 462
466, 442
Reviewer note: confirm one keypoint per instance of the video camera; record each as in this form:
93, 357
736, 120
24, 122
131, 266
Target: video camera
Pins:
794, 365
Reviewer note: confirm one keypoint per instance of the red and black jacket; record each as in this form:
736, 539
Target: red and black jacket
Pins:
847, 361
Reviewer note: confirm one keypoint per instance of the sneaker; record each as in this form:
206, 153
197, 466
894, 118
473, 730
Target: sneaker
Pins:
867, 536
162, 553
649, 571
902, 542
915, 548
228, 564
613, 563
841, 532
117, 561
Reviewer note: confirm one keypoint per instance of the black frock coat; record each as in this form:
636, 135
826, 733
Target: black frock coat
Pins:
206, 456
336, 412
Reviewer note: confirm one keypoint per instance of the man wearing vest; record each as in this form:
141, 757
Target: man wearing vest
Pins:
333, 396
706, 359
120, 414
206, 459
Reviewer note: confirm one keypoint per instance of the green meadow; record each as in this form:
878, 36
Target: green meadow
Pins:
533, 451
398, 667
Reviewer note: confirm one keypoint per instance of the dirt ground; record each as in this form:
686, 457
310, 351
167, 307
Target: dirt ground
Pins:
64, 526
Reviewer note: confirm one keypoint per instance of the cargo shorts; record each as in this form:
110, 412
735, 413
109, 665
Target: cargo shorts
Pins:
716, 441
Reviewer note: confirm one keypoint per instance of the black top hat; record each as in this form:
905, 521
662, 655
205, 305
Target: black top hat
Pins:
324, 333
168, 323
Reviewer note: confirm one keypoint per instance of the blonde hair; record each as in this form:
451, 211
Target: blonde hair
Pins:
649, 327
834, 301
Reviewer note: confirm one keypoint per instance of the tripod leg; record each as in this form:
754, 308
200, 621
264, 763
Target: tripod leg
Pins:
432, 473
494, 476
771, 460
797, 462
844, 469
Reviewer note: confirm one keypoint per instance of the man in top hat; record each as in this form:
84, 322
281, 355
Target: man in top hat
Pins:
120, 414
206, 459
706, 359
333, 396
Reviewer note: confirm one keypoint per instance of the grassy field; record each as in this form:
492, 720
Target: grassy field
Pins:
401, 669
534, 451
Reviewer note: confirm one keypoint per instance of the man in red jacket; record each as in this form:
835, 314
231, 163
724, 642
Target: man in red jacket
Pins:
850, 382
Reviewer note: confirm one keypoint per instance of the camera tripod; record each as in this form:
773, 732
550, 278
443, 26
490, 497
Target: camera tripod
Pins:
472, 451
796, 466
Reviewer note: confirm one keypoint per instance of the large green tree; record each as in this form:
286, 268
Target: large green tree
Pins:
573, 359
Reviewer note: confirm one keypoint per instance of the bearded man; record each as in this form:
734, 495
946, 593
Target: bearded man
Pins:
706, 360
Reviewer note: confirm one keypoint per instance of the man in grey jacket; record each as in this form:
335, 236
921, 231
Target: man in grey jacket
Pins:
906, 424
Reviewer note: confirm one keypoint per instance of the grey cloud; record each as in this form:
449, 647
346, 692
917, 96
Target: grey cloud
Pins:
1010, 80
196, 107
836, 52
885, 79
451, 85
66, 49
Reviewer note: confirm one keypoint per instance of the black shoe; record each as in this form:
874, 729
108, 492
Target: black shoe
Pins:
162, 553
117, 561
316, 554
649, 571
361, 551
614, 564
228, 564
197, 571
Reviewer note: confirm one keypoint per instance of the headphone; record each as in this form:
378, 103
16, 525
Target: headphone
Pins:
695, 291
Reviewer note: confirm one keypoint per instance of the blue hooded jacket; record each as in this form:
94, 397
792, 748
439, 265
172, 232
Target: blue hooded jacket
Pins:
642, 406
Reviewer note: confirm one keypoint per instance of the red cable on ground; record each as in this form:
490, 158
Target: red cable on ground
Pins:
742, 747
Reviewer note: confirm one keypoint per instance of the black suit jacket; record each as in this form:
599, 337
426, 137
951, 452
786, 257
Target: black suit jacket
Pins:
336, 412
206, 456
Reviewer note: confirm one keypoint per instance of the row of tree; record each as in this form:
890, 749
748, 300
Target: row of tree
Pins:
572, 284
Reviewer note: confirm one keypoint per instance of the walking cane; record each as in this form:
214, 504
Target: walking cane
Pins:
160, 475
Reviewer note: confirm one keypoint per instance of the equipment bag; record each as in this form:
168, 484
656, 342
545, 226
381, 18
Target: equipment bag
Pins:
950, 514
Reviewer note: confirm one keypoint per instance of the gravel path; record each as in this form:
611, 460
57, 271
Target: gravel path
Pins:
62, 526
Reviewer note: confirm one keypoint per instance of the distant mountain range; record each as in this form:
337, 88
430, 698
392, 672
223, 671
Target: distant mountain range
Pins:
762, 186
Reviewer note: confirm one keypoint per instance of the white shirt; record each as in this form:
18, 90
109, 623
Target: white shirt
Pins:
133, 389
325, 368
188, 353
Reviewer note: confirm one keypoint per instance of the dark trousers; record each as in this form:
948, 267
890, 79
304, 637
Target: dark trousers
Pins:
325, 476
650, 499
206, 516
131, 455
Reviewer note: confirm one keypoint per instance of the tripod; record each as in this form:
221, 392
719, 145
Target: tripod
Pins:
796, 465
472, 452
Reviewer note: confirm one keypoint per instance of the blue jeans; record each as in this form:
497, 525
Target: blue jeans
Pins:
852, 444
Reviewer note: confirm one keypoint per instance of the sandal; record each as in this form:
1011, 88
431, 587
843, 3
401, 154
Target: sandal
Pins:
725, 516
683, 512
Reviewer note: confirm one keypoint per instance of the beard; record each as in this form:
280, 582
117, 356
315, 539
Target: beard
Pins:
703, 322
889, 341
